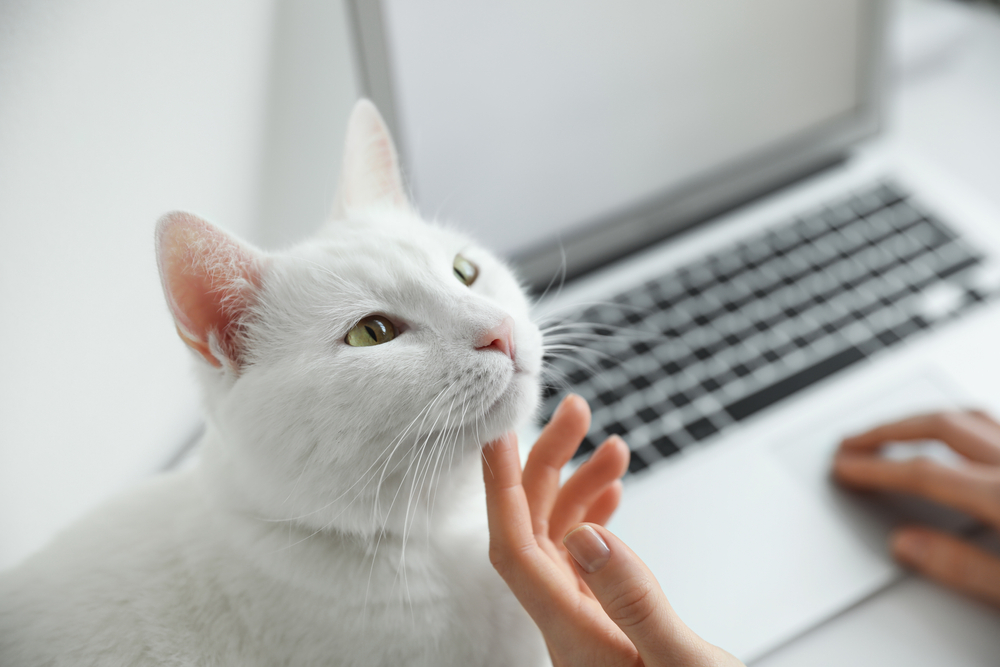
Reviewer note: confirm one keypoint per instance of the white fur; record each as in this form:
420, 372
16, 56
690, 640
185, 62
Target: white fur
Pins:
336, 516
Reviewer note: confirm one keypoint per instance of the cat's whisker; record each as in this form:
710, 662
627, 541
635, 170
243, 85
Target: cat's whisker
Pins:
548, 368
415, 488
577, 306
410, 466
425, 412
614, 332
418, 481
385, 468
557, 353
395, 443
560, 274
374, 463
439, 463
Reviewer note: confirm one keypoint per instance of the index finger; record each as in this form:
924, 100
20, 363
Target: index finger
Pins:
529, 572
506, 504
554, 448
967, 434
971, 489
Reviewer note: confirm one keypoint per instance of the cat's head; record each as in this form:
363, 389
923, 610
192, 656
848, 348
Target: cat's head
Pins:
348, 376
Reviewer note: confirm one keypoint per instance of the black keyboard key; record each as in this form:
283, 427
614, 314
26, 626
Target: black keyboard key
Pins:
702, 353
640, 382
958, 267
648, 415
680, 399
615, 428
635, 463
701, 428
585, 448
608, 397
665, 445
887, 337
744, 407
710, 385
642, 347
905, 329
671, 368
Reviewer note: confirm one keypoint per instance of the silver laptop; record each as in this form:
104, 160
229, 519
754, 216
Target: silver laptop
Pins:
737, 271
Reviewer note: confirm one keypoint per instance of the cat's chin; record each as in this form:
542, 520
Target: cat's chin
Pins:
512, 408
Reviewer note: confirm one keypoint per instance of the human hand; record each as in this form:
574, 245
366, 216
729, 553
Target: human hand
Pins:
973, 487
594, 600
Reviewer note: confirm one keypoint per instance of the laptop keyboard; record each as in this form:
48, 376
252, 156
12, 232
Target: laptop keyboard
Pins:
678, 360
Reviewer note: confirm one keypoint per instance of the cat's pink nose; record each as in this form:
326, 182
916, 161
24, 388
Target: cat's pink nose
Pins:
500, 337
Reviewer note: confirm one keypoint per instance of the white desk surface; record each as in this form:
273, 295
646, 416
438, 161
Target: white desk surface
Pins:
945, 106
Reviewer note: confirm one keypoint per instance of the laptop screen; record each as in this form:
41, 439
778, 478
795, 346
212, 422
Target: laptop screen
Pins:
528, 123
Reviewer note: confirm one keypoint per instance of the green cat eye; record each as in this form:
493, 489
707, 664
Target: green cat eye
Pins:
372, 330
465, 270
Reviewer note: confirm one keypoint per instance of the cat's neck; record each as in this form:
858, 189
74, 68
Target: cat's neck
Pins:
365, 511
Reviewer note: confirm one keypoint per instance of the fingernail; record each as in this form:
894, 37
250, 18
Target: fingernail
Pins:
910, 545
587, 548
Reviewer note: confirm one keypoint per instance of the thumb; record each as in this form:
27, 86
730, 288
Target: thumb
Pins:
632, 598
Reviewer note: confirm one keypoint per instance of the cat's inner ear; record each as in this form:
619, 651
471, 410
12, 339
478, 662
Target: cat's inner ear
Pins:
210, 279
370, 172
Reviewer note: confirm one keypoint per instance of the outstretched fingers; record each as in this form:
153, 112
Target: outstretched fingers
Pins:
949, 560
605, 505
973, 488
588, 484
969, 433
540, 583
506, 506
554, 448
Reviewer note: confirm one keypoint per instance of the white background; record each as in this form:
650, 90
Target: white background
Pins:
113, 112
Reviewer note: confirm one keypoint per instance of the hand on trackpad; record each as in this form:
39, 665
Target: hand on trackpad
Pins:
868, 508
939, 482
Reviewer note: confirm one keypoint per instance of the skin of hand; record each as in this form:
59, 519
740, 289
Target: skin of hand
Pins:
973, 487
594, 600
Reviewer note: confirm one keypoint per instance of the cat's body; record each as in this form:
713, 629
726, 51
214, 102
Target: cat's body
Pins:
335, 516
159, 576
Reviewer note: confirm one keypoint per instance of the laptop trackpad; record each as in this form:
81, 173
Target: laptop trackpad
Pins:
808, 454
754, 544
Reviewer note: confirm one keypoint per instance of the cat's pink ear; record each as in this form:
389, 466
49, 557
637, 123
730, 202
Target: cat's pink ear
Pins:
370, 173
210, 279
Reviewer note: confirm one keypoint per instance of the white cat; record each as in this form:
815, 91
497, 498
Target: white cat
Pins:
334, 517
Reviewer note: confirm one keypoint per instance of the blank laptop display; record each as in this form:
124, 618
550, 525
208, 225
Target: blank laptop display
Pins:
532, 124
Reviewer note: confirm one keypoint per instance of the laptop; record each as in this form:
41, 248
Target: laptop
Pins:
735, 269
